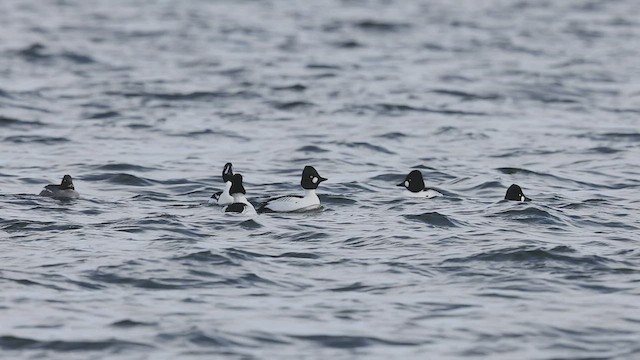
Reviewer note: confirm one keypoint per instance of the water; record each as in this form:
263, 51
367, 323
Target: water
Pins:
144, 101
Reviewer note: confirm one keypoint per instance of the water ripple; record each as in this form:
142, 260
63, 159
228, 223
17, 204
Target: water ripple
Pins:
112, 345
350, 342
432, 218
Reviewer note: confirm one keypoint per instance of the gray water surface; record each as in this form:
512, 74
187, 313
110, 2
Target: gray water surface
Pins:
143, 102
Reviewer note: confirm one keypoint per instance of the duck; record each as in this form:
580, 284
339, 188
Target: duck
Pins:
309, 181
240, 204
223, 198
414, 186
66, 189
514, 193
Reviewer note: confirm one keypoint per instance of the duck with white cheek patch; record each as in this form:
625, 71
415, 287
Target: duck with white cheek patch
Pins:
414, 186
514, 193
309, 182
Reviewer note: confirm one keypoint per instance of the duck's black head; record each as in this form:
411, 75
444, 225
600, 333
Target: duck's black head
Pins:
310, 178
236, 185
413, 182
514, 193
227, 172
67, 183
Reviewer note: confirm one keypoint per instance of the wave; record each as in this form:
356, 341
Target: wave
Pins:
187, 96
103, 115
323, 66
348, 44
350, 342
33, 52
78, 58
215, 339
561, 254
514, 171
530, 215
36, 139
389, 177
8, 122
604, 224
113, 345
391, 109
604, 150
291, 105
381, 26
339, 200
466, 96
128, 323
294, 88
102, 276
588, 203
618, 136
433, 218
248, 255
38, 52
395, 135
312, 149
123, 167
119, 178
208, 257
250, 224
34, 225
548, 96
365, 145
207, 132
515, 152
28, 282
374, 26
485, 185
